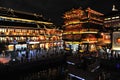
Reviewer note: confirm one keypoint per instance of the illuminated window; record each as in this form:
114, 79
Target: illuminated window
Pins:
113, 17
2, 30
107, 18
117, 17
17, 30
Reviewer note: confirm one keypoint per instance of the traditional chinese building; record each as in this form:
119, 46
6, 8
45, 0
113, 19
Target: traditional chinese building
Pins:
112, 24
81, 28
22, 31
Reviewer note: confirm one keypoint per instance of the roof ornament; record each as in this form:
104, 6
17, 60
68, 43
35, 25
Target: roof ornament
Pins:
38, 26
114, 9
11, 12
35, 14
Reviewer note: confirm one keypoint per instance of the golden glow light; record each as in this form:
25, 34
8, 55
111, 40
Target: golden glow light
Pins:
67, 48
88, 32
33, 42
24, 20
94, 12
116, 48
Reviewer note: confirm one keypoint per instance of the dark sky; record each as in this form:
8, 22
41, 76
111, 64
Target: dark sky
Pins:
54, 9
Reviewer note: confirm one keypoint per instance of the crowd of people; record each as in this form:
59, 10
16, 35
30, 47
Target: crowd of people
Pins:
24, 54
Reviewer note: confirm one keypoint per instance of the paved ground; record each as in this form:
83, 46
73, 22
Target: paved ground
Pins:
93, 71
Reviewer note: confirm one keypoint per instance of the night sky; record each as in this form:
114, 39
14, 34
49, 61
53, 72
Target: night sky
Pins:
54, 9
